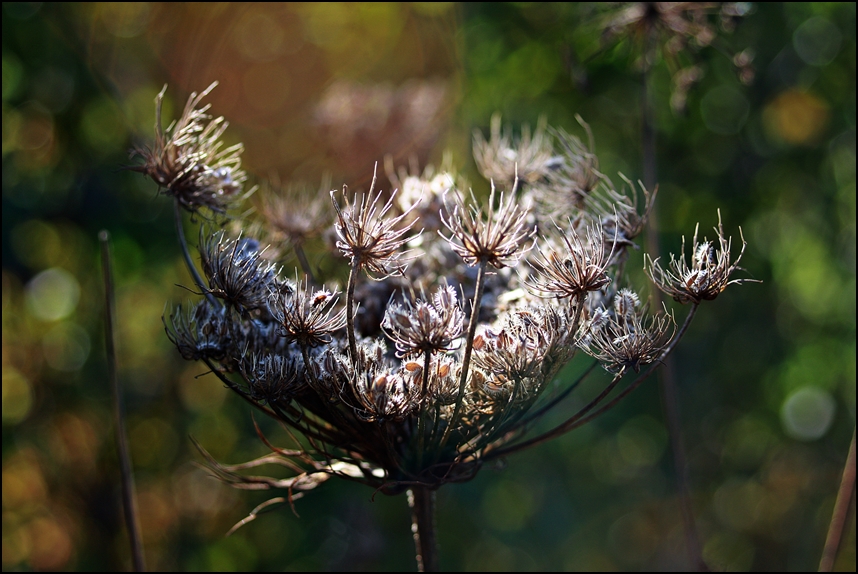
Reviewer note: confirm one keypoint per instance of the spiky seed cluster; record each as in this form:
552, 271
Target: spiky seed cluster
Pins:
506, 159
626, 338
236, 271
271, 377
368, 236
306, 316
496, 237
187, 160
706, 276
576, 267
425, 326
201, 333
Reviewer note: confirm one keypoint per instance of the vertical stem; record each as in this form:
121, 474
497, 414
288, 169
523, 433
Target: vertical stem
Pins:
192, 269
421, 417
350, 311
469, 346
421, 500
666, 379
841, 512
129, 503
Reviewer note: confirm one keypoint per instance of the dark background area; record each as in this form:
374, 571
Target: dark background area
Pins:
766, 373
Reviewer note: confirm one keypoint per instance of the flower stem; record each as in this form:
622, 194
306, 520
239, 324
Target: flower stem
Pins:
183, 243
577, 420
129, 503
350, 311
421, 500
469, 347
841, 512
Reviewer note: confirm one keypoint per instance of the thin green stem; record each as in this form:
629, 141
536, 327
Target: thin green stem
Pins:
422, 502
129, 502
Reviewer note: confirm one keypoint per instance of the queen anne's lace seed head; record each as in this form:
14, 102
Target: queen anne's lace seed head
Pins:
575, 266
496, 236
370, 237
425, 326
236, 271
187, 162
628, 338
708, 273
306, 316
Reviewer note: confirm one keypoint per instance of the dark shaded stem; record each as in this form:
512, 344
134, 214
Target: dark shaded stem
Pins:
305, 265
350, 311
421, 500
183, 243
469, 347
577, 420
129, 503
840, 516
667, 380
421, 420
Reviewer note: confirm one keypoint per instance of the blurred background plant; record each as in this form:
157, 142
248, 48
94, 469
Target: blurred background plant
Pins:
768, 407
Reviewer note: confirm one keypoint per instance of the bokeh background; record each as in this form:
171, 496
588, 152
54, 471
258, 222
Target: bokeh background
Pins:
766, 373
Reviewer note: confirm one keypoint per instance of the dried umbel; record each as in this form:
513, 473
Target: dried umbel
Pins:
428, 371
188, 160
706, 276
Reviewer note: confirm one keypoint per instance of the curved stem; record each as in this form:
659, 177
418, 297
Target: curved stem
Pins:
841, 512
469, 347
422, 503
350, 311
576, 420
183, 243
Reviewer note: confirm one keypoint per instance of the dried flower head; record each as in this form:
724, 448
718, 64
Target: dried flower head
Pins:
575, 267
368, 236
202, 333
707, 275
187, 161
627, 338
294, 214
506, 159
423, 327
306, 316
495, 237
572, 178
236, 271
